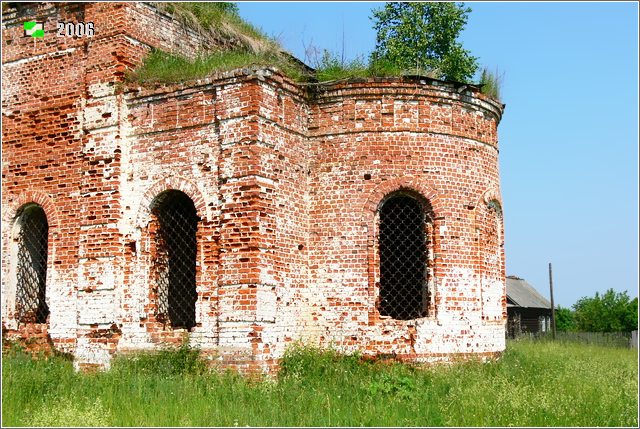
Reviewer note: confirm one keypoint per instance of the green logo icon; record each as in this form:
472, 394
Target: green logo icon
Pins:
33, 29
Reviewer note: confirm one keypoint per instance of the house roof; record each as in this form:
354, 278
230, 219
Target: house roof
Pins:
522, 294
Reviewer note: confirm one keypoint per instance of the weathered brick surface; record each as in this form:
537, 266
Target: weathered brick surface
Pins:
286, 181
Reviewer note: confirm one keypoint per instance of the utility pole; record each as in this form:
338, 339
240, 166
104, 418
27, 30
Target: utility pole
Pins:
553, 308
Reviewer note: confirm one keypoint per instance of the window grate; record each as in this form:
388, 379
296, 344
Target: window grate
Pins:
176, 259
31, 306
403, 258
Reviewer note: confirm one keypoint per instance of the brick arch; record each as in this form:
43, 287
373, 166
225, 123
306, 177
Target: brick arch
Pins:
490, 244
401, 183
491, 194
171, 183
370, 210
40, 198
53, 221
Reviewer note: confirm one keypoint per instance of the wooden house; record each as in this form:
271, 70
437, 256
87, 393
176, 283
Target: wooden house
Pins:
527, 310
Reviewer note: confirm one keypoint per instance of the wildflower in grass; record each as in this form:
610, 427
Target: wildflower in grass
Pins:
70, 414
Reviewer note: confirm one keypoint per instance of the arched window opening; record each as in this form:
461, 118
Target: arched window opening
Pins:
494, 206
403, 257
176, 258
31, 265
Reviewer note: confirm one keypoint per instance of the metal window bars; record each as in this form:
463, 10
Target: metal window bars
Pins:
176, 259
31, 270
403, 258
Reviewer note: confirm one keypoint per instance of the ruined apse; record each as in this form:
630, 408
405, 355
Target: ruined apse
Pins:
243, 212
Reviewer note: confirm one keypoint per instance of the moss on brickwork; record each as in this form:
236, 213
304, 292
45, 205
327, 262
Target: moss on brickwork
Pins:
254, 48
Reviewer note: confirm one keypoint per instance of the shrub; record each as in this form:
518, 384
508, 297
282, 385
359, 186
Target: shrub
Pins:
610, 312
394, 383
564, 319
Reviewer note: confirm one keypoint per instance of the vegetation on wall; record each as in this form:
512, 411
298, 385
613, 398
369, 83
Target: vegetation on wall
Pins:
221, 19
422, 37
412, 38
162, 67
333, 67
491, 83
218, 20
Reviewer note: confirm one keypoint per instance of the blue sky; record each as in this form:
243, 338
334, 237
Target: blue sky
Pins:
569, 135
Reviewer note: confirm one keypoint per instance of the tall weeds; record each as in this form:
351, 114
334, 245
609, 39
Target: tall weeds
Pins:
533, 384
491, 83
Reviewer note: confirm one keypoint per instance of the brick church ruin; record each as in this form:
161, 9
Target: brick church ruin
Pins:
242, 212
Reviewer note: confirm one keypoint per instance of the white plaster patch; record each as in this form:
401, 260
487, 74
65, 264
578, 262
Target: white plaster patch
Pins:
96, 307
88, 352
38, 57
102, 142
235, 336
234, 300
101, 113
492, 294
97, 274
266, 311
134, 337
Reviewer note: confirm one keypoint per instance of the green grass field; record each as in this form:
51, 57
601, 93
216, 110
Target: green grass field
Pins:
533, 384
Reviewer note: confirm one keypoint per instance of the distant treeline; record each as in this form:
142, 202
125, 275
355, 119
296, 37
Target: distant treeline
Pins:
609, 312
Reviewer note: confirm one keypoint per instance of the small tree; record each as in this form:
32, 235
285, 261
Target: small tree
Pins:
564, 319
423, 37
610, 312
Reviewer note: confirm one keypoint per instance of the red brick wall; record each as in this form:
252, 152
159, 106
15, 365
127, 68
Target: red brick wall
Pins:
286, 182
377, 137
42, 157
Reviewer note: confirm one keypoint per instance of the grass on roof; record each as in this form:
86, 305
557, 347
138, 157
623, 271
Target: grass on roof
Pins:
491, 82
163, 68
254, 48
220, 19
